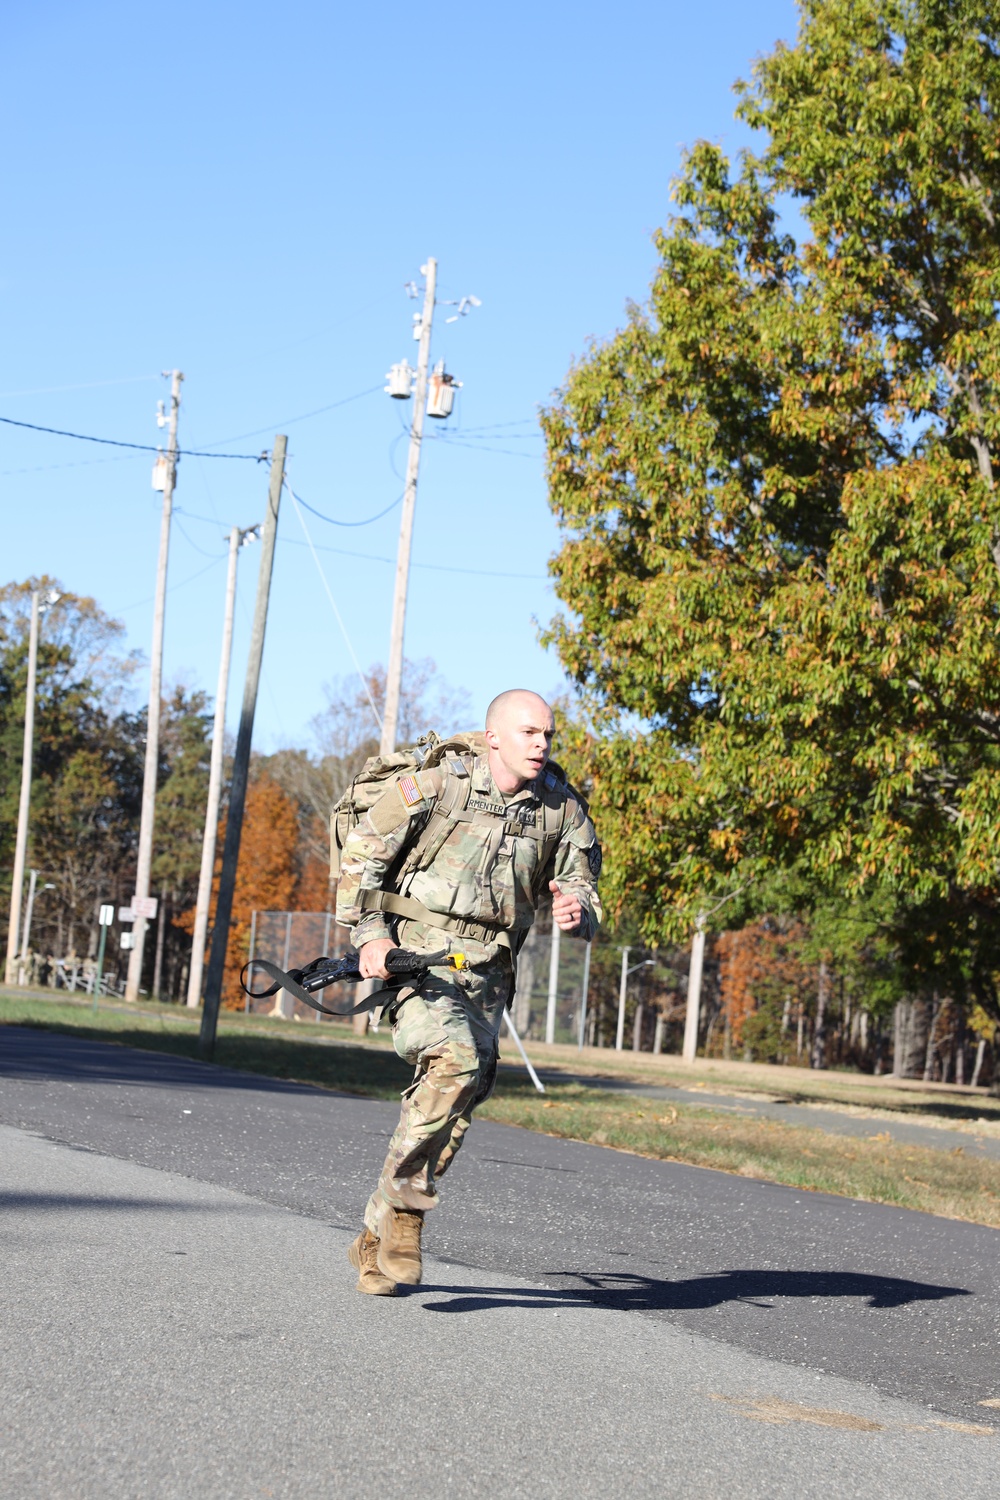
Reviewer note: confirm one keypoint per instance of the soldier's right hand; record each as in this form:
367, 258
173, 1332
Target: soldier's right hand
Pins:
371, 958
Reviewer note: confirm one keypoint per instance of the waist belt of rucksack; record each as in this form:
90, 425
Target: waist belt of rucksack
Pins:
416, 911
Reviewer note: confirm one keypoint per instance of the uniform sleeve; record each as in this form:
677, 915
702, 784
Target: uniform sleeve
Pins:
577, 867
389, 827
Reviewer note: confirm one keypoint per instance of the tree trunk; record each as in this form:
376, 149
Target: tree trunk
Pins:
931, 1036
161, 922
980, 1054
640, 1011
818, 1058
910, 1051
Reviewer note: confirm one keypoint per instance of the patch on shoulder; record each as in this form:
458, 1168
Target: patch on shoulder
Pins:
595, 860
409, 791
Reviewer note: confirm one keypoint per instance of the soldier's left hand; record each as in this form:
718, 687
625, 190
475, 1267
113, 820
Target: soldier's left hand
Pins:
566, 909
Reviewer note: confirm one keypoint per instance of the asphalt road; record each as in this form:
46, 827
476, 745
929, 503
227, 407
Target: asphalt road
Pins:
589, 1320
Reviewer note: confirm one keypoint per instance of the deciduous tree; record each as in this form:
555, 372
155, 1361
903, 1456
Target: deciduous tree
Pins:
781, 556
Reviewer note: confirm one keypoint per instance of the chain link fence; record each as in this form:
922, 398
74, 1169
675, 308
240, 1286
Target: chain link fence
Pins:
291, 939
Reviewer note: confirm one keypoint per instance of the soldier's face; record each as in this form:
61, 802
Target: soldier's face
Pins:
522, 739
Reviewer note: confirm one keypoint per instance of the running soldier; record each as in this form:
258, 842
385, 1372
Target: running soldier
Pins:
458, 857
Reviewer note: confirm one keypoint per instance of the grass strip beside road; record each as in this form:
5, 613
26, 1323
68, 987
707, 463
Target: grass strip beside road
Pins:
948, 1183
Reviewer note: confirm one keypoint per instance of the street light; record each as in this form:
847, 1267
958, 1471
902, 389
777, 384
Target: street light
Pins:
32, 882
646, 963
39, 605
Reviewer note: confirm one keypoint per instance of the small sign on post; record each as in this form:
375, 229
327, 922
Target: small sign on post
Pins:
126, 914
144, 906
127, 940
107, 916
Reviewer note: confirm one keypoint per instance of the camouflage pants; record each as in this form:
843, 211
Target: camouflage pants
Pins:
449, 1032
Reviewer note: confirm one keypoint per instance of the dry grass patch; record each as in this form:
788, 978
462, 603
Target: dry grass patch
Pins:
879, 1170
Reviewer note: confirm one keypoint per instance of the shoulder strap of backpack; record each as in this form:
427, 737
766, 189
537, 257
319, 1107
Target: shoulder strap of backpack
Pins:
447, 811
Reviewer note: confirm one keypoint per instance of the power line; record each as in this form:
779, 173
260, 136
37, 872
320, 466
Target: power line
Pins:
88, 385
479, 447
430, 567
82, 437
290, 421
180, 528
331, 520
75, 463
123, 608
336, 611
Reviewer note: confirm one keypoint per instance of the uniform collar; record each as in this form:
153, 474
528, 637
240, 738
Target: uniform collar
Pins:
482, 781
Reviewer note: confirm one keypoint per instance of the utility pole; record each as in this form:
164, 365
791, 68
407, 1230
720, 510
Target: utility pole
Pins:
394, 677
236, 537
620, 1033
152, 761
29, 910
584, 992
21, 845
241, 760
692, 1014
644, 963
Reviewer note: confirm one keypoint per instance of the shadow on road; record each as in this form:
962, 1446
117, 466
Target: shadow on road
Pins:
629, 1293
26, 1201
168, 1060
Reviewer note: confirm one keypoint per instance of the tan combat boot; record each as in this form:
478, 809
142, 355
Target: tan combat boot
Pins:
398, 1245
362, 1254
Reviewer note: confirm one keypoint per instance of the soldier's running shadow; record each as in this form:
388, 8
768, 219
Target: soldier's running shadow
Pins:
624, 1292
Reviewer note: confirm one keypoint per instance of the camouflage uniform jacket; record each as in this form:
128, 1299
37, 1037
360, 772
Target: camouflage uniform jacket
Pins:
492, 868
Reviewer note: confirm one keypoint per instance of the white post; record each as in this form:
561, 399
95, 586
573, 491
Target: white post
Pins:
394, 675
326, 944
620, 1033
204, 899
690, 1050
584, 991
550, 1011
152, 762
283, 995
21, 845
32, 882
253, 951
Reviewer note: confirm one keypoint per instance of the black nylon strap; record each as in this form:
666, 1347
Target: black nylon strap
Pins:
410, 969
284, 981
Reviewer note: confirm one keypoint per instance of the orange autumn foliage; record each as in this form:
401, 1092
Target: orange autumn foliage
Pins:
757, 964
274, 873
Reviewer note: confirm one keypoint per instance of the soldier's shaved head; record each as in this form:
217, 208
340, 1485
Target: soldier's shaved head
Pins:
519, 729
514, 698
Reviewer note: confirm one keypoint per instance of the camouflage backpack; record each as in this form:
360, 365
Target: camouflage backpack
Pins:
380, 772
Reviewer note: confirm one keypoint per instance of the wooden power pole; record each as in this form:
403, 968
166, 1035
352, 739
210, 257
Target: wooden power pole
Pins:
214, 782
152, 762
394, 677
241, 760
24, 807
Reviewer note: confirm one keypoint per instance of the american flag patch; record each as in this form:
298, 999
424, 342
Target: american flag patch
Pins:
409, 791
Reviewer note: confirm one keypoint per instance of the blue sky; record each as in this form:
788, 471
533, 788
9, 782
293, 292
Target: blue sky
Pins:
242, 191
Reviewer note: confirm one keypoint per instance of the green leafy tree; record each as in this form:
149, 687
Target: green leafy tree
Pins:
781, 557
87, 763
